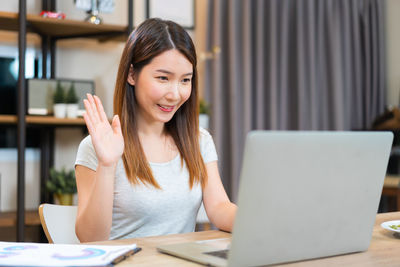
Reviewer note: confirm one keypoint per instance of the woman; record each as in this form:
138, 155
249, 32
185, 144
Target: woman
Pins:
147, 172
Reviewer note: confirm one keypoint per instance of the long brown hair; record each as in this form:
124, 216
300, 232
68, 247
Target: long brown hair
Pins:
148, 40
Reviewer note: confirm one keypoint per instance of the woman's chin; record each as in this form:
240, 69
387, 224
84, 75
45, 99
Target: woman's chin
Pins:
165, 119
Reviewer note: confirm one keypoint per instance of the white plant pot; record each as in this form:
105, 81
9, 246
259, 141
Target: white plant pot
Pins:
72, 111
204, 121
60, 110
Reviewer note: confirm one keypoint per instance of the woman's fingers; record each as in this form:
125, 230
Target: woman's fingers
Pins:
95, 113
100, 108
116, 125
89, 123
89, 111
96, 119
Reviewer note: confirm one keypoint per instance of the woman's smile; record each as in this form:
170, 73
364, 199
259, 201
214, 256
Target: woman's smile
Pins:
166, 108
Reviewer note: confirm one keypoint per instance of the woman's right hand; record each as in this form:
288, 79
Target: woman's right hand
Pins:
107, 138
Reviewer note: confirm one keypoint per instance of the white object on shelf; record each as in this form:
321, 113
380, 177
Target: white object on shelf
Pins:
60, 110
8, 186
72, 111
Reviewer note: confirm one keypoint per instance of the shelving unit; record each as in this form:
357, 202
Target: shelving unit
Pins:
43, 120
50, 31
9, 218
63, 28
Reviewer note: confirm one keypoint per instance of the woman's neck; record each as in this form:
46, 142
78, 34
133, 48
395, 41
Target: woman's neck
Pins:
155, 129
158, 146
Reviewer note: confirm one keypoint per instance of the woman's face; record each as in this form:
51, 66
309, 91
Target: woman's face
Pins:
162, 86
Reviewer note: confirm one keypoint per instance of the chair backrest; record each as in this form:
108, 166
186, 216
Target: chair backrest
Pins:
58, 223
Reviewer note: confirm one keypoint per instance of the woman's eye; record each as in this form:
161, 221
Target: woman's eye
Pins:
162, 78
186, 80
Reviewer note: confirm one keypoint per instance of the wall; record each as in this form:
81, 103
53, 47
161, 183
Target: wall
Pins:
8, 186
393, 51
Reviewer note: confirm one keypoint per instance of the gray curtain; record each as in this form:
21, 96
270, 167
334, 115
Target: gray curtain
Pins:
291, 65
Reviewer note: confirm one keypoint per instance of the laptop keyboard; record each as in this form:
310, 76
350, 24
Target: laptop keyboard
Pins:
218, 253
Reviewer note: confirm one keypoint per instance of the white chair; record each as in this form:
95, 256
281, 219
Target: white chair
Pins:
58, 223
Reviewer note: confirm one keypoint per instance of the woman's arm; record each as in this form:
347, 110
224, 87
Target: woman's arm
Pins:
95, 202
95, 188
220, 210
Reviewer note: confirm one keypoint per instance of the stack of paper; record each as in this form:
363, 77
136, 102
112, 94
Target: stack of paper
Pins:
36, 254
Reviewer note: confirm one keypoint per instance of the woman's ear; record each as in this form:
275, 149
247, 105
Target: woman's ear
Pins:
131, 76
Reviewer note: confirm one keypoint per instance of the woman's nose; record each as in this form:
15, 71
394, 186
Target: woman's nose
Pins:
173, 92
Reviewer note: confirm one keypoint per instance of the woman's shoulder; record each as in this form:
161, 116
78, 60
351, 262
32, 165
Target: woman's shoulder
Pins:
204, 136
86, 156
207, 146
86, 145
203, 132
87, 141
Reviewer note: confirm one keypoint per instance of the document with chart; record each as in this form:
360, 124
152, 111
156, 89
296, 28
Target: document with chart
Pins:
38, 254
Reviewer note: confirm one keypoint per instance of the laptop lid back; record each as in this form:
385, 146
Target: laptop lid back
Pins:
306, 195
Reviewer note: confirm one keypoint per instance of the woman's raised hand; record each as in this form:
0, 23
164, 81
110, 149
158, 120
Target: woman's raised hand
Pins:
107, 138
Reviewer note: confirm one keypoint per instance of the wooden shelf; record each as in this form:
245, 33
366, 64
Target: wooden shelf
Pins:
392, 181
8, 119
8, 219
43, 120
64, 28
50, 120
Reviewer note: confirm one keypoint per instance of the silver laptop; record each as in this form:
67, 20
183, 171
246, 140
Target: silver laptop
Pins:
302, 195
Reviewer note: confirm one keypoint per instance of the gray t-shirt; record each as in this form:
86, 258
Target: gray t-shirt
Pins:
142, 210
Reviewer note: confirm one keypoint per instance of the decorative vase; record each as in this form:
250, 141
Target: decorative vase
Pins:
204, 121
60, 110
72, 111
64, 199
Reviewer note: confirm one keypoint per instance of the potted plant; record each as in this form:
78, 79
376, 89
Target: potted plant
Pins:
63, 185
72, 102
59, 106
204, 111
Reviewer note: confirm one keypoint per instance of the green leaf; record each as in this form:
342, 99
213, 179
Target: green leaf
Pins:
61, 182
59, 94
71, 97
204, 107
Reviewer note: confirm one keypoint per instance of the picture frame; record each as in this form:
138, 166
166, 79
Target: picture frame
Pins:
179, 11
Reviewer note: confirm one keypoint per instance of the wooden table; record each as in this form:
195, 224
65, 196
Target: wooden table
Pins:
383, 251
